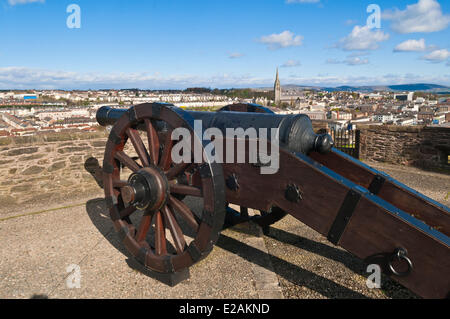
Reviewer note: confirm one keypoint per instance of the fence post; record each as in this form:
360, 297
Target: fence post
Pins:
357, 143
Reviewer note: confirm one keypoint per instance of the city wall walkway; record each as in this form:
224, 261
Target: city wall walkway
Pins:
291, 262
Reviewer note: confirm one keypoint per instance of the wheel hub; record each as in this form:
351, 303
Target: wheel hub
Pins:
147, 189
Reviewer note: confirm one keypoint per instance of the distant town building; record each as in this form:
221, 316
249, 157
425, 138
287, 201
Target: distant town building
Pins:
315, 115
404, 97
383, 117
426, 116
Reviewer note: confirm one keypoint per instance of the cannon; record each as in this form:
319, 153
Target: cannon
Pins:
365, 211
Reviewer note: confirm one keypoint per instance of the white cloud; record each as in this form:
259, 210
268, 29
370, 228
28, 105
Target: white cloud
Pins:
357, 54
25, 78
411, 46
362, 39
350, 60
437, 56
235, 55
290, 64
356, 61
14, 2
424, 16
387, 79
284, 39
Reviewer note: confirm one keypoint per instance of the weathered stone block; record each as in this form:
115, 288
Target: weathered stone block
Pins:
21, 188
21, 151
76, 159
73, 149
67, 144
33, 170
97, 144
50, 186
32, 157
57, 166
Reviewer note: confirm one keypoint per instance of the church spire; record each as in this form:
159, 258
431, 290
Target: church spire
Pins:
277, 89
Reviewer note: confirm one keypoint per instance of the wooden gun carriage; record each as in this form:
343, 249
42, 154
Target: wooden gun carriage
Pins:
368, 213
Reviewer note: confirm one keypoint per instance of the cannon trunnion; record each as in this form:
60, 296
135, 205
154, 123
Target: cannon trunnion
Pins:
366, 212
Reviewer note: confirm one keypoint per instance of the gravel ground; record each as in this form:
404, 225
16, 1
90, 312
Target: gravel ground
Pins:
37, 249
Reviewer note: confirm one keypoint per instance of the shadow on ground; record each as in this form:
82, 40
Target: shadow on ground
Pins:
98, 214
289, 271
391, 288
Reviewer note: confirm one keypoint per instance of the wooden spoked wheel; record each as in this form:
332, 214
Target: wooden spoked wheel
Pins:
162, 232
265, 219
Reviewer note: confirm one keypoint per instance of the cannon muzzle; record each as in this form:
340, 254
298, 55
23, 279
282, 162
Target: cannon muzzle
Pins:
108, 116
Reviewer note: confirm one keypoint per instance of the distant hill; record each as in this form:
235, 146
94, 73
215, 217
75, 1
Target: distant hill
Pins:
418, 87
422, 87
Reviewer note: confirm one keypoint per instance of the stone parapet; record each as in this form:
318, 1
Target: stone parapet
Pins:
47, 167
424, 147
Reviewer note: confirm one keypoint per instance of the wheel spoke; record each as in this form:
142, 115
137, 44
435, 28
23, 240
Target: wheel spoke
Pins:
186, 190
127, 211
177, 170
166, 159
153, 141
127, 161
184, 211
119, 183
143, 228
244, 212
175, 230
160, 235
138, 146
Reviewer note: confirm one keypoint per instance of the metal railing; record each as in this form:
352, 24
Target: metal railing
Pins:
347, 141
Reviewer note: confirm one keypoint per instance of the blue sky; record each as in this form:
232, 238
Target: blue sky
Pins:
178, 44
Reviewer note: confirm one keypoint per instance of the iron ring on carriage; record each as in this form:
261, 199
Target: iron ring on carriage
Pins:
402, 255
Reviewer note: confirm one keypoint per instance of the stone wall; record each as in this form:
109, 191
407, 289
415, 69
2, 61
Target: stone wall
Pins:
419, 146
424, 147
48, 168
319, 126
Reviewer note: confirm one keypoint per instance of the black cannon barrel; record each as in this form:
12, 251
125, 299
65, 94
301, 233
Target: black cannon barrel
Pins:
295, 131
108, 116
